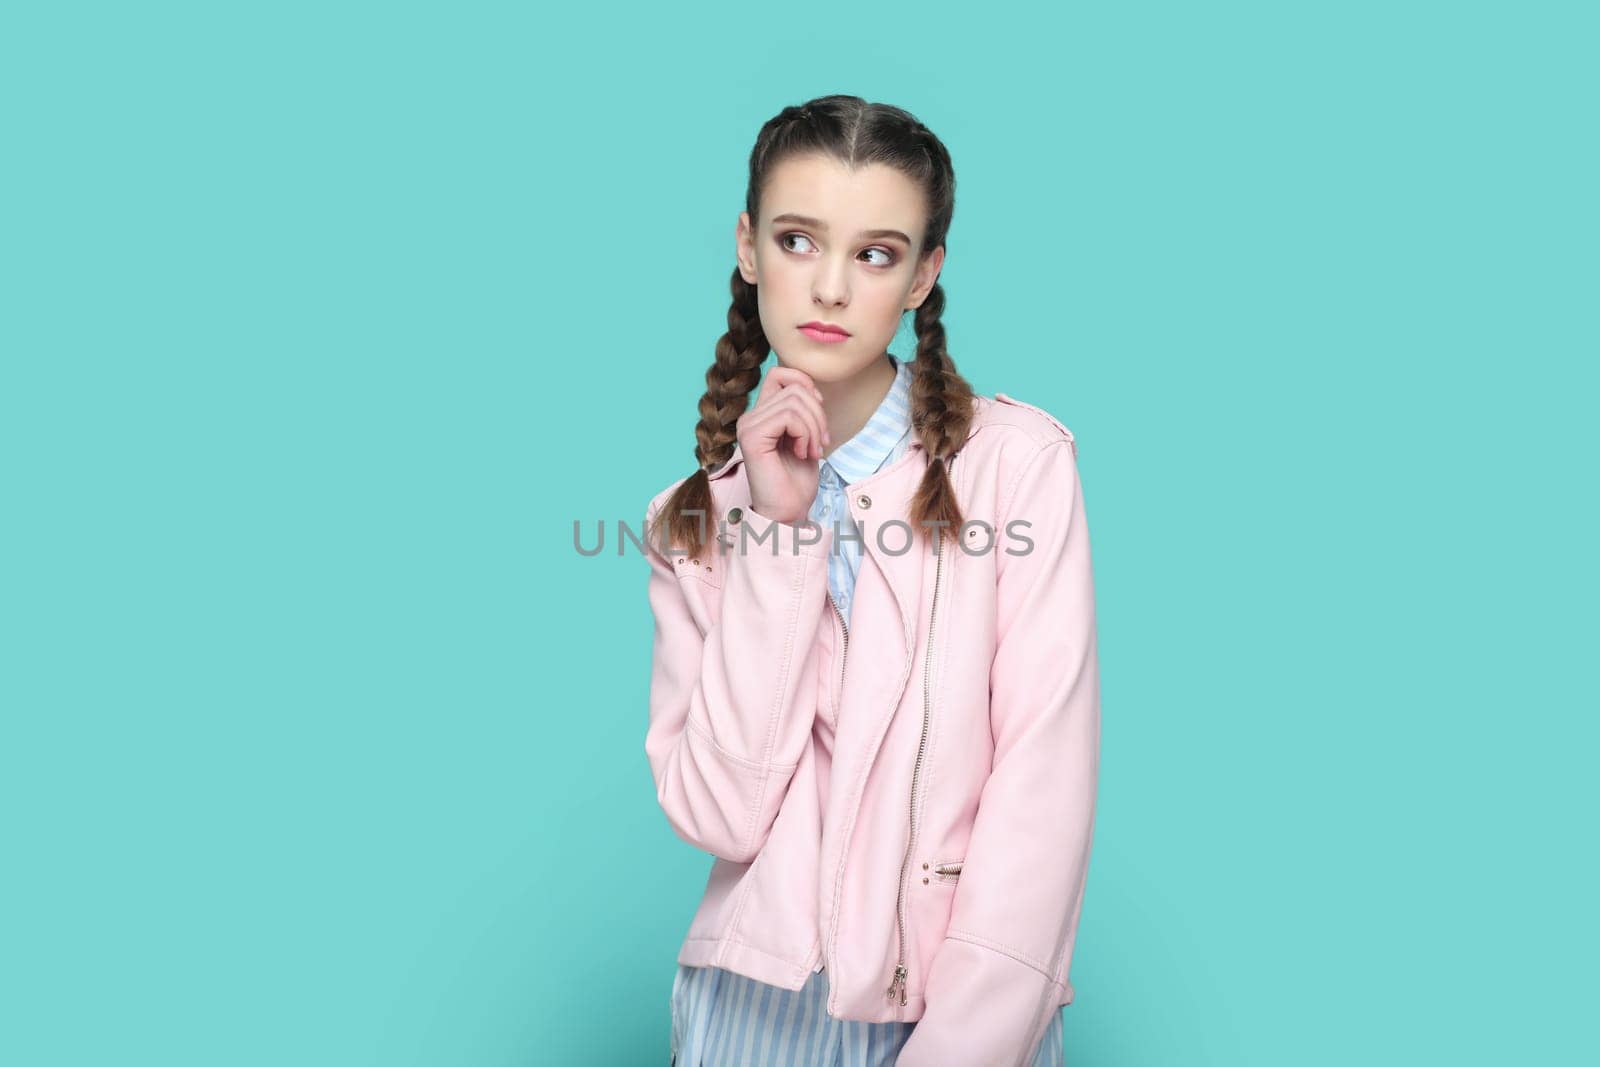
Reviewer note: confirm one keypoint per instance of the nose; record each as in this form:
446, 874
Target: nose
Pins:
831, 284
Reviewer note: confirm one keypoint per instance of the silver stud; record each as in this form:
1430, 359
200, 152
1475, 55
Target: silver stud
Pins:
864, 500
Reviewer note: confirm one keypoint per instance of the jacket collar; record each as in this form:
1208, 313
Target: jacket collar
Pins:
872, 445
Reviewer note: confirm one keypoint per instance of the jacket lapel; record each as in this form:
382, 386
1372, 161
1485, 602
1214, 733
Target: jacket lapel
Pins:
881, 504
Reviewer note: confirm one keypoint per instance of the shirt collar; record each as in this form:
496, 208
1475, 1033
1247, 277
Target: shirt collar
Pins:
875, 442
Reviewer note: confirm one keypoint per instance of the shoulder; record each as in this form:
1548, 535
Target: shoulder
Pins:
1013, 417
723, 491
662, 495
659, 500
1012, 440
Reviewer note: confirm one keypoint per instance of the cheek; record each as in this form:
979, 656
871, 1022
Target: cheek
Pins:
784, 274
885, 303
779, 288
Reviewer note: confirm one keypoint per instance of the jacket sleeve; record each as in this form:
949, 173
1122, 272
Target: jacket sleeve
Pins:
1001, 972
733, 704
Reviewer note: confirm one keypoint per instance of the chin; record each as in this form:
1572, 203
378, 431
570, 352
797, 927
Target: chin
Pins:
822, 366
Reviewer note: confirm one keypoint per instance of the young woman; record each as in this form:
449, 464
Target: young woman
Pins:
875, 693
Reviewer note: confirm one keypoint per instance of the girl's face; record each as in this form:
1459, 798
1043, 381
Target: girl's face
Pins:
839, 247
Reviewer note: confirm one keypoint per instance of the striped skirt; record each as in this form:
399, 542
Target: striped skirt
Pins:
723, 1019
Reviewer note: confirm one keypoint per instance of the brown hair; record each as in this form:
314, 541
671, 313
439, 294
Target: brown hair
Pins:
856, 133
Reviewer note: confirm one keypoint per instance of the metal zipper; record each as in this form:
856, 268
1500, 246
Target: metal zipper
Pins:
844, 652
898, 982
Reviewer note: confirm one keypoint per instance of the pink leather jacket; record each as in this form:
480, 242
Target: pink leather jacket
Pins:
909, 800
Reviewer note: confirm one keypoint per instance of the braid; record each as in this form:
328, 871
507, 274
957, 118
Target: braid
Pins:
729, 380
941, 414
731, 376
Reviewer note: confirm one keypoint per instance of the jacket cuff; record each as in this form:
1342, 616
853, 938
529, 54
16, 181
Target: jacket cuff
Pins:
746, 532
983, 1007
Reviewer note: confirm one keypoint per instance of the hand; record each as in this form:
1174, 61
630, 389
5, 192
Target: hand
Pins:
782, 438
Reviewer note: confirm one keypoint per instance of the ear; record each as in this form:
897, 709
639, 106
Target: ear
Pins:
927, 274
744, 247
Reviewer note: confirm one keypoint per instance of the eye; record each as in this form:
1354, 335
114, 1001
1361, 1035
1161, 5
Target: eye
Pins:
889, 258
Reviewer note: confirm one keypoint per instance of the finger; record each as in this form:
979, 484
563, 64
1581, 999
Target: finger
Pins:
782, 379
776, 423
809, 409
811, 396
792, 416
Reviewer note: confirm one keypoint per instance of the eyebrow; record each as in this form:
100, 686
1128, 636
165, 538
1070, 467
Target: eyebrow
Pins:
818, 224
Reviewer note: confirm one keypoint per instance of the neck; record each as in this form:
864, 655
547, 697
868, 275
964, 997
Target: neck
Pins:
850, 403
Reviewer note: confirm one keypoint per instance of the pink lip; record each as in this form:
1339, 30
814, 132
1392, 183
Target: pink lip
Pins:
826, 334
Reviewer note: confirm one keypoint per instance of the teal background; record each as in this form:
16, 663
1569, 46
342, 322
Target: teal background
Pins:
322, 323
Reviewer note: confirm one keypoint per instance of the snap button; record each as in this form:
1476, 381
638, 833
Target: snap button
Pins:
864, 500
735, 514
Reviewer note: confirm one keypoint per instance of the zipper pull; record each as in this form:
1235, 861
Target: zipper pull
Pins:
899, 980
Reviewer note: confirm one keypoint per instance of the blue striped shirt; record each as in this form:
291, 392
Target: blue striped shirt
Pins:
722, 1018
877, 444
